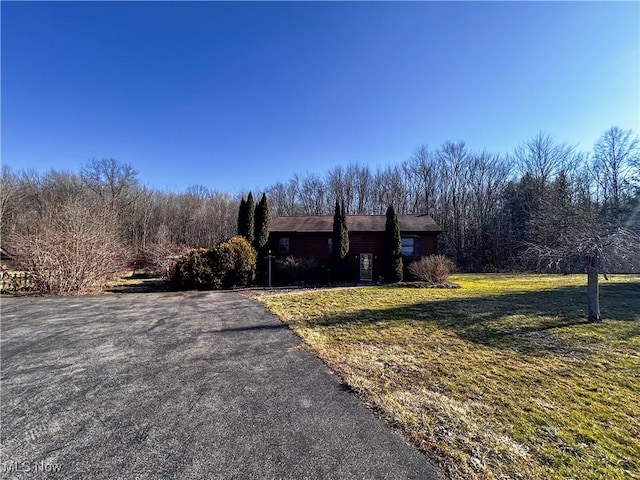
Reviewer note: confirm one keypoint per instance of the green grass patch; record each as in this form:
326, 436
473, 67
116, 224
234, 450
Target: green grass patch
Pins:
137, 284
502, 378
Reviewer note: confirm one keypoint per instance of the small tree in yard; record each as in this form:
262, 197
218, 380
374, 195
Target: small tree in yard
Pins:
619, 250
596, 251
393, 247
339, 242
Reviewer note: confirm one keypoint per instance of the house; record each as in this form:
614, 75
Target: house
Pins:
311, 237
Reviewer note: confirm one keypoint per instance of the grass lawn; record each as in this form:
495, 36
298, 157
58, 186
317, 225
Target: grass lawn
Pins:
137, 284
502, 378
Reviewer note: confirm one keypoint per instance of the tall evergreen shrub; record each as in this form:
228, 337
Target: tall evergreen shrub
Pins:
246, 218
250, 218
344, 234
340, 243
242, 218
393, 248
261, 231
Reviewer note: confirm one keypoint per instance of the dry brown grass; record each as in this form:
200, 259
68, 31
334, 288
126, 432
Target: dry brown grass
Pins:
502, 378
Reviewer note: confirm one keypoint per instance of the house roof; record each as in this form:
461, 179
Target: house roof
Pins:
355, 223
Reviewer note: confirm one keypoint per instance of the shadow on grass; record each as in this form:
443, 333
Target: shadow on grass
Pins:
527, 322
139, 284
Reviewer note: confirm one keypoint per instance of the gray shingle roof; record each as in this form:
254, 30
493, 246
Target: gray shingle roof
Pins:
355, 223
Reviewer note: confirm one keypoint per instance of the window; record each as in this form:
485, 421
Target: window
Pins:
410, 247
283, 245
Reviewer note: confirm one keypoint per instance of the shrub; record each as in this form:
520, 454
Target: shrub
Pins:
231, 263
194, 270
393, 248
293, 270
72, 248
235, 263
339, 244
434, 269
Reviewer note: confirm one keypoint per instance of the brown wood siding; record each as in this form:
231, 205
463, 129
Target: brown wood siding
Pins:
310, 245
303, 245
315, 245
429, 244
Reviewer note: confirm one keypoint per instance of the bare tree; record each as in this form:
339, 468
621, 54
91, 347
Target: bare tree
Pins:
616, 154
390, 189
312, 195
597, 251
111, 180
423, 171
543, 157
335, 182
454, 160
10, 197
363, 186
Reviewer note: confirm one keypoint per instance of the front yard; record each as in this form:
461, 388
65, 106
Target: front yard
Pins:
502, 378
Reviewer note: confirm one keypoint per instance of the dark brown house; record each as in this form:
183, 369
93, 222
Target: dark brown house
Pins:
310, 237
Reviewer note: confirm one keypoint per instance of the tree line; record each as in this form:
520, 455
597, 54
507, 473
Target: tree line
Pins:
523, 210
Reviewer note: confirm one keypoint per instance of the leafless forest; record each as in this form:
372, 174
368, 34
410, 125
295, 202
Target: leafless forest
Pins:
534, 208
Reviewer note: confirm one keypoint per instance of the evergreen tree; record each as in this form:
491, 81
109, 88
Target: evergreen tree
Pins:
339, 242
261, 235
249, 218
393, 247
344, 234
336, 237
242, 220
246, 218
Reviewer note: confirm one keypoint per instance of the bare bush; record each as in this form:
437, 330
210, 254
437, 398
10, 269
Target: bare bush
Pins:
434, 269
72, 249
157, 259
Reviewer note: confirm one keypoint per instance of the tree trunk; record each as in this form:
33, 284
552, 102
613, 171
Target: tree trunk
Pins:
593, 293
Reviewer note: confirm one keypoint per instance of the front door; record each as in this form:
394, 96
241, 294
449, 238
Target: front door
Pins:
366, 267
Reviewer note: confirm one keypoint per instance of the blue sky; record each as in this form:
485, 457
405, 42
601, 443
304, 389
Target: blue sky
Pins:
241, 95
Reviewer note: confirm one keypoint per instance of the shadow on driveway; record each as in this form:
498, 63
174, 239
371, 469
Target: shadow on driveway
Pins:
179, 385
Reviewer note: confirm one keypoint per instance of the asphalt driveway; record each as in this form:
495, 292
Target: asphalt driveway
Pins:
178, 385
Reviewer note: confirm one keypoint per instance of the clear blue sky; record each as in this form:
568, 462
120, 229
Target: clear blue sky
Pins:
239, 95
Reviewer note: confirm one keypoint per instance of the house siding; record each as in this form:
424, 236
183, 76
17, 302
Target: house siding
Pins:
309, 245
315, 245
